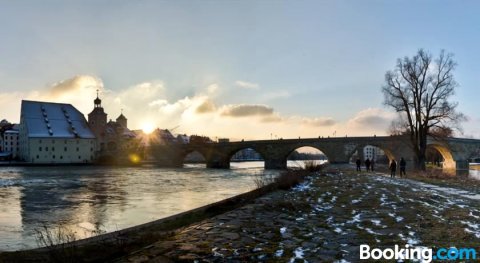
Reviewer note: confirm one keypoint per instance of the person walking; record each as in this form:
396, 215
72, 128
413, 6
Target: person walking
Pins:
359, 163
403, 166
367, 164
393, 168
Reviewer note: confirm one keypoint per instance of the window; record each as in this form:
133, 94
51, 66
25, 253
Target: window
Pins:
46, 149
64, 149
79, 157
40, 148
61, 156
38, 156
53, 156
39, 141
53, 148
78, 149
91, 149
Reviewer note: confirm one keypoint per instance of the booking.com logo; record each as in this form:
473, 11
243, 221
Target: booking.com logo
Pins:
422, 254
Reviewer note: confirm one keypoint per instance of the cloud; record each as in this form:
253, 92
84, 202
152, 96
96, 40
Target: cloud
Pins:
74, 84
246, 85
373, 120
245, 110
206, 107
318, 122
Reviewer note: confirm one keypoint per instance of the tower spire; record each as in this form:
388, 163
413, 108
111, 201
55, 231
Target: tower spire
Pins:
97, 102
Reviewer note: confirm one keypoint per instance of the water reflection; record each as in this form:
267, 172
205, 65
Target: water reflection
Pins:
88, 199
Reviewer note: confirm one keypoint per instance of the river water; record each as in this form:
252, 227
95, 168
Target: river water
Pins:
88, 200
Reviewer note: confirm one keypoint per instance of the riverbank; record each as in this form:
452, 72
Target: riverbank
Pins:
326, 219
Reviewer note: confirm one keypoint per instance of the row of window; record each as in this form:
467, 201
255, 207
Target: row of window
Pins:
11, 143
61, 157
8, 149
64, 149
65, 141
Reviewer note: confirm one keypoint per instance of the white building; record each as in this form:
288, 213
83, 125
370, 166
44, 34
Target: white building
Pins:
372, 152
54, 133
11, 143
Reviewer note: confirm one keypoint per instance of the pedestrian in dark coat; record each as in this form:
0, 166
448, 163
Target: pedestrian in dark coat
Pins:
367, 164
393, 168
403, 166
359, 163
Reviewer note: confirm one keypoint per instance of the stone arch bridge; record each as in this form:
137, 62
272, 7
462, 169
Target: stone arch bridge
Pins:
455, 151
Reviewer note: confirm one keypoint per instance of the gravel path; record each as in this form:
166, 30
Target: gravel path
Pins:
325, 219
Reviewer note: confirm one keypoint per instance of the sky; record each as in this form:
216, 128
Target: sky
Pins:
232, 69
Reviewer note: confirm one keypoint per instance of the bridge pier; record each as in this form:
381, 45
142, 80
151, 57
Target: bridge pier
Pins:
218, 164
462, 165
275, 164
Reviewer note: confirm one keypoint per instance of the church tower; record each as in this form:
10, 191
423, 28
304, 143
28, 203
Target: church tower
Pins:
122, 120
97, 119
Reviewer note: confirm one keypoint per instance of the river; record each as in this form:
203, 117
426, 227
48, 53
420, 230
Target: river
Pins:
89, 200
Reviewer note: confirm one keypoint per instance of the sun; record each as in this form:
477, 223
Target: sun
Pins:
148, 127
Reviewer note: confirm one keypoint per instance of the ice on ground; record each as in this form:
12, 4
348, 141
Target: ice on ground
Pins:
398, 219
298, 253
333, 199
330, 219
474, 216
355, 201
283, 230
341, 261
303, 186
376, 222
370, 231
355, 219
476, 233
279, 253
215, 253
338, 230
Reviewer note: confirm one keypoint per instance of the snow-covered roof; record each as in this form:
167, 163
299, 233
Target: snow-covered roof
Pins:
54, 120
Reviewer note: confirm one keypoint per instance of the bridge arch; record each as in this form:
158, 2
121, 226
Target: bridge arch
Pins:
298, 157
360, 148
193, 157
447, 155
245, 154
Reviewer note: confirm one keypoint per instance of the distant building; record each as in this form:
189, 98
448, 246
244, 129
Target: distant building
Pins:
246, 155
54, 133
184, 139
112, 136
373, 153
11, 143
163, 137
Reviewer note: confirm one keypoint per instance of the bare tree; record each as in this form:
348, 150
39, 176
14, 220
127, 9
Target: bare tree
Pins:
420, 89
